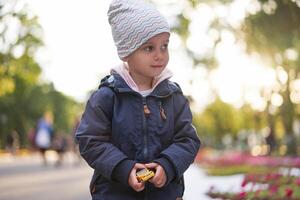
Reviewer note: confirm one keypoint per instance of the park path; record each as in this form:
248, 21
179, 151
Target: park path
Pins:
26, 178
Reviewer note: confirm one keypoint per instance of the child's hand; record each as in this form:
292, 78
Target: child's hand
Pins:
160, 177
132, 180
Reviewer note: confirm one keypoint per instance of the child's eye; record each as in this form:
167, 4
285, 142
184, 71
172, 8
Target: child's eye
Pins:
148, 48
164, 47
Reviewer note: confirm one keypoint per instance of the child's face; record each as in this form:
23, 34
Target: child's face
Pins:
151, 58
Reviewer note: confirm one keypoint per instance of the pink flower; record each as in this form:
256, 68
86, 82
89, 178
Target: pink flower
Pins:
268, 177
242, 195
244, 183
275, 176
273, 188
288, 192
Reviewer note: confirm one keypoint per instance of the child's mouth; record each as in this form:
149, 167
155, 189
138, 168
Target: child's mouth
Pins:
157, 66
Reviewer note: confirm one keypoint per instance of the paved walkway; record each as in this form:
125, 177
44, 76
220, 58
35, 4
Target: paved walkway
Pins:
26, 178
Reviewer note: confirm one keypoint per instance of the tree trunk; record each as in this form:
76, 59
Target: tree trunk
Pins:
287, 112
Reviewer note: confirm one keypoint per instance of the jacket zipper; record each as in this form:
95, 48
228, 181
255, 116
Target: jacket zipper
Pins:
146, 113
145, 150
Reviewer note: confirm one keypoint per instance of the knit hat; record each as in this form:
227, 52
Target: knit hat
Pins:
134, 22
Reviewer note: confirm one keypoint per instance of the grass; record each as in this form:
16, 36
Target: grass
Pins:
237, 169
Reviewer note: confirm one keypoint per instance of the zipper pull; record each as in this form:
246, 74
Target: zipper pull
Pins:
162, 112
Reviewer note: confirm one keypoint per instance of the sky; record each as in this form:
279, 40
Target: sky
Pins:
79, 50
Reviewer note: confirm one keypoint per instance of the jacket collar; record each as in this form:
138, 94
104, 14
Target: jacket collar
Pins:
123, 71
118, 84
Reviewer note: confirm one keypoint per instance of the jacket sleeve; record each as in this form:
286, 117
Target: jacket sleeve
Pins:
182, 152
94, 136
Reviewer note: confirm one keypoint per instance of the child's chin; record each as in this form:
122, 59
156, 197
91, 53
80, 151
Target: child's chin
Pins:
155, 75
157, 72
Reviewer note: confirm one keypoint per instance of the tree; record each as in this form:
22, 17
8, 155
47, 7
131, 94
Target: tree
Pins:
19, 72
23, 97
273, 32
217, 120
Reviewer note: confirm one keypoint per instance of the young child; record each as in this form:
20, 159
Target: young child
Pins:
138, 118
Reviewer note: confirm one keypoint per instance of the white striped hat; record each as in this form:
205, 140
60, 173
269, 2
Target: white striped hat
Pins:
134, 22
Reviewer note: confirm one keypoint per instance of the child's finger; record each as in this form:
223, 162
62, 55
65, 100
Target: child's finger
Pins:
138, 186
155, 178
159, 179
151, 165
133, 182
156, 181
139, 166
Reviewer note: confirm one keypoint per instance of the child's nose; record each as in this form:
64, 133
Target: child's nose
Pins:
159, 54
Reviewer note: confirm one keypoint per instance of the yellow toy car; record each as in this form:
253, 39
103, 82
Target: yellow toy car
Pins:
144, 175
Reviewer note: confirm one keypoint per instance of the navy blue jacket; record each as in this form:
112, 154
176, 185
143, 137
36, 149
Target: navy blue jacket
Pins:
115, 133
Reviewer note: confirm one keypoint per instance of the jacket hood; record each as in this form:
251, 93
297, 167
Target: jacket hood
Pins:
121, 81
123, 71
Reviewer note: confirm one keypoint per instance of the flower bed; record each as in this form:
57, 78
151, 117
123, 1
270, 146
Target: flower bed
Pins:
264, 186
239, 158
265, 178
230, 163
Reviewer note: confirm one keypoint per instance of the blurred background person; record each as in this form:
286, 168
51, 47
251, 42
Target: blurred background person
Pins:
44, 135
12, 143
60, 146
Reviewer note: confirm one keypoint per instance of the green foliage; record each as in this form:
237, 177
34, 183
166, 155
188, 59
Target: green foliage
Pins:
237, 169
273, 32
65, 111
182, 27
217, 120
220, 119
23, 98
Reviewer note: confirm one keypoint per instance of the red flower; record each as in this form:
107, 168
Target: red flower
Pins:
273, 188
242, 195
244, 183
288, 192
268, 177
